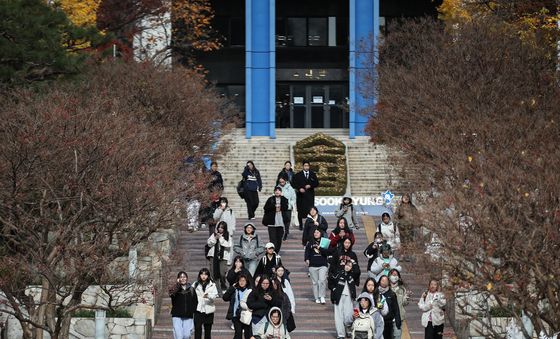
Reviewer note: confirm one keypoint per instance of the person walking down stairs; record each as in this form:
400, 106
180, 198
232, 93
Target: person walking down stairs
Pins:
252, 185
289, 193
183, 306
347, 211
249, 248
276, 218
305, 182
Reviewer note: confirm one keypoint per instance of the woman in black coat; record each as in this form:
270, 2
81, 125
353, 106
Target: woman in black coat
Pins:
286, 172
234, 295
314, 221
276, 217
237, 269
261, 300
341, 255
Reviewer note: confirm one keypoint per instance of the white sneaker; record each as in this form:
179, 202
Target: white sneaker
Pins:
322, 300
317, 301
232, 327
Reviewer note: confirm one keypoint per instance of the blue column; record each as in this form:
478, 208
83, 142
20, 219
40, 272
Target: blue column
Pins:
364, 31
260, 61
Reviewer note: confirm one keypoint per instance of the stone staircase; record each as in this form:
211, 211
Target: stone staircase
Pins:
369, 171
312, 320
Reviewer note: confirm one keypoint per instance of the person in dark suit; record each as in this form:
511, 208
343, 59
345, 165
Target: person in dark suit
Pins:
305, 183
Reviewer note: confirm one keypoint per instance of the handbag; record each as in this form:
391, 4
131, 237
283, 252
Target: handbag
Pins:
241, 188
294, 221
246, 315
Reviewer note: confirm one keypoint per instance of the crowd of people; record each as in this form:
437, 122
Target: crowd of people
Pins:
252, 278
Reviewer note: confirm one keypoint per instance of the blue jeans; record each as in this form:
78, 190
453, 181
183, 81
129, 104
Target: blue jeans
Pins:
182, 328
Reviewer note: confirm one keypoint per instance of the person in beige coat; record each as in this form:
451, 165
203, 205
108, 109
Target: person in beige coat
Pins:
432, 303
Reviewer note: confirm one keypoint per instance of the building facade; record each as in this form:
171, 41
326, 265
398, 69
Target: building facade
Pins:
299, 63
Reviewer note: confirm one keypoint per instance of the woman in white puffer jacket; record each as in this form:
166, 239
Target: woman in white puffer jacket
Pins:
432, 303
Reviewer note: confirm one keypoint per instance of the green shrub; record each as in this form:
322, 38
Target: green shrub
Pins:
84, 314
503, 312
327, 156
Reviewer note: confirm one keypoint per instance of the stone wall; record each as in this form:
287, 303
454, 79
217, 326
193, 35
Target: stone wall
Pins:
115, 328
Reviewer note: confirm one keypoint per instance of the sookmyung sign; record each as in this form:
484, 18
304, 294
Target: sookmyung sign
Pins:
363, 205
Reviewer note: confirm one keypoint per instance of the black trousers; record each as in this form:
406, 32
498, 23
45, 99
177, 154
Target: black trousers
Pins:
433, 332
275, 235
287, 227
241, 330
388, 331
203, 320
252, 200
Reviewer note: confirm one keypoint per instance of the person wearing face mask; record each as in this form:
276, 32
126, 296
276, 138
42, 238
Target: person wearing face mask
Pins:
432, 303
384, 263
403, 297
206, 293
393, 318
183, 305
372, 250
389, 230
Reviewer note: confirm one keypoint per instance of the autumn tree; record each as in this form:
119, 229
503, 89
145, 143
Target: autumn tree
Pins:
38, 42
88, 170
473, 116
531, 18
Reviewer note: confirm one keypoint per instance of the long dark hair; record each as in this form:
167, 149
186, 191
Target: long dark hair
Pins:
401, 282
252, 163
247, 279
337, 227
204, 270
283, 278
260, 288
223, 224
375, 289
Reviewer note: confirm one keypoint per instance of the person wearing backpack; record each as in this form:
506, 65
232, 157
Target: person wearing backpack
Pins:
273, 327
368, 322
384, 263
183, 304
389, 230
237, 295
206, 293
268, 262
346, 210
248, 247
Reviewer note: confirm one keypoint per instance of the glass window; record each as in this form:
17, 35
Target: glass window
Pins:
297, 32
342, 35
281, 39
332, 31
318, 32
237, 32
